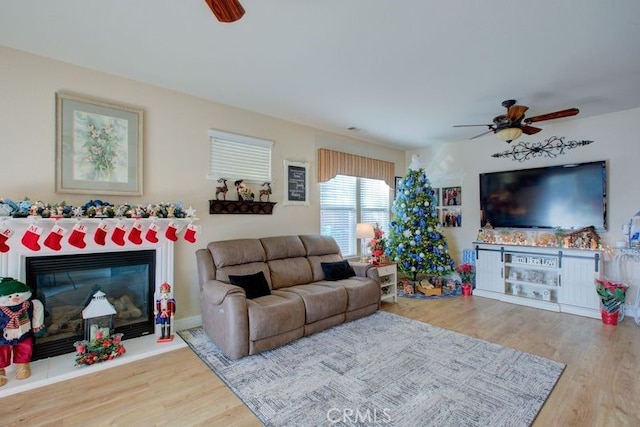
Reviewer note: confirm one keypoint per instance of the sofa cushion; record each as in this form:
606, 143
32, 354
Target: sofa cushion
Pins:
255, 285
320, 302
320, 249
235, 252
275, 314
320, 245
361, 291
282, 247
337, 270
289, 272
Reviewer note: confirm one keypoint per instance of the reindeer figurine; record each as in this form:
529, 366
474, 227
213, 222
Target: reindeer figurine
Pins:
222, 189
265, 191
239, 184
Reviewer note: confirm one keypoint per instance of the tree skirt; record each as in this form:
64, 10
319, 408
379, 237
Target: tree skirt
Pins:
419, 295
385, 369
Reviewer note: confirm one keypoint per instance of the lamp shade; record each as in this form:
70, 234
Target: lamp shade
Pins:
364, 231
509, 134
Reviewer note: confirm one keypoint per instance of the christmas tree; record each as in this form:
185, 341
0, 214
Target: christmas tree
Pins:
415, 241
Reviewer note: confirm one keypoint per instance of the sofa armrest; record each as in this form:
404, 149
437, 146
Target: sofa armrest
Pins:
214, 291
362, 269
225, 317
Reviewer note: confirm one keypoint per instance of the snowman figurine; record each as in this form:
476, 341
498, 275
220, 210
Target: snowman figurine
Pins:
20, 320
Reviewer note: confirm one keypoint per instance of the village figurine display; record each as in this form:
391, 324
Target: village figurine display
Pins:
21, 318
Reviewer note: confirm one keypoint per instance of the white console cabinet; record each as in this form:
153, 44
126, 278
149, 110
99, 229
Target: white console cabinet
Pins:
556, 279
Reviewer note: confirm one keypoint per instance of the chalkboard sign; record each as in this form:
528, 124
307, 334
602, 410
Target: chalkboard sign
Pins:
297, 183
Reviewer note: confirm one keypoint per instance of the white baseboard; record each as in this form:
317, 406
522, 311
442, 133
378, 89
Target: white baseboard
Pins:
188, 322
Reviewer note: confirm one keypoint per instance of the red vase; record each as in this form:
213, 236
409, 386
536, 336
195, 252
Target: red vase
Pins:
466, 289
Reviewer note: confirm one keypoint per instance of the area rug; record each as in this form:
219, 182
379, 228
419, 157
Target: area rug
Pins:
385, 369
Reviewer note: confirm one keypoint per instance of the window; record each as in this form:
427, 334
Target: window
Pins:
239, 157
345, 201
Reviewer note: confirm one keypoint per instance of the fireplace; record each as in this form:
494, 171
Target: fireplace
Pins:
66, 283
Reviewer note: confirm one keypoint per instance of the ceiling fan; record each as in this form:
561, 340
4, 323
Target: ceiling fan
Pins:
512, 125
226, 10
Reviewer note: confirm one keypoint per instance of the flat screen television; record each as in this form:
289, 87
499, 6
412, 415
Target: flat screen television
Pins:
568, 196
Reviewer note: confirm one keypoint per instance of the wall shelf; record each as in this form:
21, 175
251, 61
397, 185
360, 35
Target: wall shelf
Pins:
240, 207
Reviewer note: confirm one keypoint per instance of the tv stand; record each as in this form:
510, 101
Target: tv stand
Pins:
549, 278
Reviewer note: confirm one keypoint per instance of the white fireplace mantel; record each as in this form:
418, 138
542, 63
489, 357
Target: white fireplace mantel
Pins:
12, 262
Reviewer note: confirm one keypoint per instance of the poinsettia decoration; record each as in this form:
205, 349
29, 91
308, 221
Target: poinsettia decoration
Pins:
612, 295
466, 272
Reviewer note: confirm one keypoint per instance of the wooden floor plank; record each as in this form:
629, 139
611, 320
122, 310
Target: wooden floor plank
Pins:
599, 387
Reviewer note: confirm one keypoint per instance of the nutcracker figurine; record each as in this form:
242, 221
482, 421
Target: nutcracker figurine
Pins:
164, 312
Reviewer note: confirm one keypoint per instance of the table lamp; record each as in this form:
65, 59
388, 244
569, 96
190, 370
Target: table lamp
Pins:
364, 231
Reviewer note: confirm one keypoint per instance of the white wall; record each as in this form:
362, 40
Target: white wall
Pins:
615, 139
176, 152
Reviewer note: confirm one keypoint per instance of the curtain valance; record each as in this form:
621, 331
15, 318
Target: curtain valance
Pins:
332, 163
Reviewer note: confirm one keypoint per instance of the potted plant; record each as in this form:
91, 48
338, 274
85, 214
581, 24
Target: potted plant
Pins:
612, 296
467, 273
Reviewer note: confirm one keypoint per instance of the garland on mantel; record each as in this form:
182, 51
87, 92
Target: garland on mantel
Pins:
92, 209
120, 233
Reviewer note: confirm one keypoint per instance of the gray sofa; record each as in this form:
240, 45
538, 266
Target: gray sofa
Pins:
300, 301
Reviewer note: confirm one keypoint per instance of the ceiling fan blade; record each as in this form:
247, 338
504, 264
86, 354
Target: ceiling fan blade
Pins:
226, 10
466, 126
557, 115
529, 130
483, 133
516, 112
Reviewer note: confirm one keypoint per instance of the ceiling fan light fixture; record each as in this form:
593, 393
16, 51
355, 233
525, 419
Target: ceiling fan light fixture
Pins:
509, 134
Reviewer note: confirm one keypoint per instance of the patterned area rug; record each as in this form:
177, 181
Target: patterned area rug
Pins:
387, 370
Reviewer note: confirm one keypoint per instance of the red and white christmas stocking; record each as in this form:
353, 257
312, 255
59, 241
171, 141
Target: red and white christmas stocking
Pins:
118, 234
190, 233
31, 236
135, 234
152, 233
100, 236
76, 238
5, 233
53, 239
172, 232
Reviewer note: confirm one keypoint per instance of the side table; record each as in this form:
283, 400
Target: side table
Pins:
388, 277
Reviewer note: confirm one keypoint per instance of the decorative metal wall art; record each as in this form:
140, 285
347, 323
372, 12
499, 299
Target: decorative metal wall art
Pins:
552, 147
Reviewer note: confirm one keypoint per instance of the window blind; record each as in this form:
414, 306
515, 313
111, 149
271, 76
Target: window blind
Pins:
345, 201
239, 157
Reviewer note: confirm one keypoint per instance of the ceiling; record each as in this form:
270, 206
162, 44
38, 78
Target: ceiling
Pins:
402, 72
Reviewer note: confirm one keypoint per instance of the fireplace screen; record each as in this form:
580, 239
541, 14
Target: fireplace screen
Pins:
65, 285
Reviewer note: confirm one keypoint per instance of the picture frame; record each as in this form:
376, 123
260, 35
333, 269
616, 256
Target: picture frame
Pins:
98, 146
451, 217
396, 185
451, 196
296, 183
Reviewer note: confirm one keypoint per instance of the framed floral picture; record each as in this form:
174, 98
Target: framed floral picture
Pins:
98, 146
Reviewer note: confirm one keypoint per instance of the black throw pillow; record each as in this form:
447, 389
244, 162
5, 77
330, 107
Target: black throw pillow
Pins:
254, 285
337, 270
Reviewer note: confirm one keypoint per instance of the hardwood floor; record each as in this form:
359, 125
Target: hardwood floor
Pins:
599, 387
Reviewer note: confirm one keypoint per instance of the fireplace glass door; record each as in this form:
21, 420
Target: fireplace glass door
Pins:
65, 285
